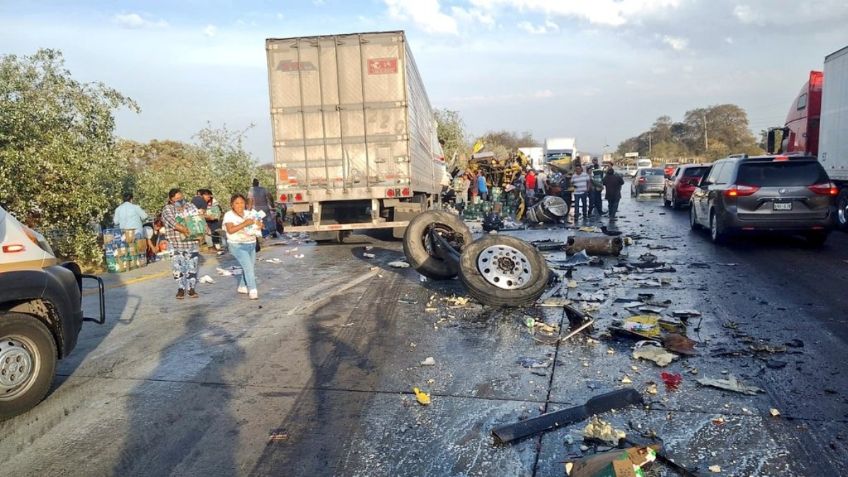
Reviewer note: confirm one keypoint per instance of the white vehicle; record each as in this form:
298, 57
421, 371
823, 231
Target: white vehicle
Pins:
40, 315
643, 164
560, 148
354, 133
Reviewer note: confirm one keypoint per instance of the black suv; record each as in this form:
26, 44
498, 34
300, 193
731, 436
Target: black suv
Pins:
776, 193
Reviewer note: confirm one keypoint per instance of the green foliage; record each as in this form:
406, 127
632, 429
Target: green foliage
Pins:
726, 133
57, 144
451, 133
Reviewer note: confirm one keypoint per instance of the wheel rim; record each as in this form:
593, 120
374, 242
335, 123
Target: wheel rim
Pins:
842, 213
504, 267
692, 216
455, 239
18, 366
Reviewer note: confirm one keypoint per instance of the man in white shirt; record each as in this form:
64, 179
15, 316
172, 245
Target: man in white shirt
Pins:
541, 183
580, 181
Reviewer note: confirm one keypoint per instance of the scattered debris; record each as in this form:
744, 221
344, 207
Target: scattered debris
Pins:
580, 258
730, 384
368, 255
532, 363
686, 313
671, 380
774, 412
679, 344
617, 399
429, 361
206, 279
650, 351
715, 469
699, 265
651, 388
228, 272
422, 397
278, 435
555, 302
626, 380
603, 431
605, 245
399, 264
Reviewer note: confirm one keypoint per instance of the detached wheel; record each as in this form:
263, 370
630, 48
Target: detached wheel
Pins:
27, 363
420, 253
503, 271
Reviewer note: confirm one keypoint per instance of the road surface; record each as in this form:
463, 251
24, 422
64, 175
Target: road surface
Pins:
315, 378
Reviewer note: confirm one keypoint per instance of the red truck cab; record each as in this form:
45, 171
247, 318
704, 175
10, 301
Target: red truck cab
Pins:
801, 131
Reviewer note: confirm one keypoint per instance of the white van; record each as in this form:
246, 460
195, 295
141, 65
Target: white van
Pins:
40, 314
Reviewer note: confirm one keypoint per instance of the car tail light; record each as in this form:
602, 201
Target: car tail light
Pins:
740, 190
826, 188
641, 179
13, 248
781, 158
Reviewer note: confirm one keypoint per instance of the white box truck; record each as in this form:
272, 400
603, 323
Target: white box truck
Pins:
557, 148
355, 143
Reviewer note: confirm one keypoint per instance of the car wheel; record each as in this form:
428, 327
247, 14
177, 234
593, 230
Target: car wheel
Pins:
674, 203
842, 209
717, 232
27, 363
816, 239
693, 220
499, 270
666, 202
420, 252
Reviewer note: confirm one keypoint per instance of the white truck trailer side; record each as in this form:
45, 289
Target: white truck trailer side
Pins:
354, 132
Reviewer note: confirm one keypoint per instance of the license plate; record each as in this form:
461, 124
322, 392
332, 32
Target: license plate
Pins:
782, 205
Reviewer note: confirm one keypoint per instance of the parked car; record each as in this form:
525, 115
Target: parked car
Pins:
647, 181
773, 193
682, 182
40, 314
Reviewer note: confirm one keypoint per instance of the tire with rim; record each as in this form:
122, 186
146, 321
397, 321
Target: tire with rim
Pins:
674, 203
717, 232
667, 202
842, 209
27, 363
693, 223
417, 246
499, 270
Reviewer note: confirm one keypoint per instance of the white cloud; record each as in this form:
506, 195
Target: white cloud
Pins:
764, 13
473, 15
280, 16
547, 27
318, 3
729, 40
745, 14
134, 20
210, 30
676, 43
602, 12
425, 14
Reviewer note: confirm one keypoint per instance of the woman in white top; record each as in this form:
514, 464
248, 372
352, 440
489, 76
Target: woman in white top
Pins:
241, 240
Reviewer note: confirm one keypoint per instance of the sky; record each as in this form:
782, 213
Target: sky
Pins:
597, 70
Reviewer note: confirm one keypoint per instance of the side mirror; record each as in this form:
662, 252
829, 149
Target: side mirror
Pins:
770, 141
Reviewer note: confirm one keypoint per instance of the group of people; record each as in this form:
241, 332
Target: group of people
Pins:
587, 189
246, 221
469, 185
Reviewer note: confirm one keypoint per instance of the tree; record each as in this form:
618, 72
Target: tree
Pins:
58, 166
451, 133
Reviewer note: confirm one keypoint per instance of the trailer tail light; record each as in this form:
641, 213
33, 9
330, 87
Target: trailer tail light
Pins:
390, 192
283, 197
826, 188
298, 197
13, 248
740, 190
405, 192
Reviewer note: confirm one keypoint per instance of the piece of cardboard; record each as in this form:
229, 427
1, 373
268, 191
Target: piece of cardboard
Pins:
615, 463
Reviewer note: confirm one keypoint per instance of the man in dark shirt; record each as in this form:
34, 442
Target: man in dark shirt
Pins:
613, 183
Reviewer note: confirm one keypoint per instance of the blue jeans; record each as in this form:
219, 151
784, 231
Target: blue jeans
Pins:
245, 254
580, 203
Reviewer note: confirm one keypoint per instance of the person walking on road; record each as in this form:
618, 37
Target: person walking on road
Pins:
185, 249
541, 184
482, 187
613, 184
596, 188
241, 240
580, 181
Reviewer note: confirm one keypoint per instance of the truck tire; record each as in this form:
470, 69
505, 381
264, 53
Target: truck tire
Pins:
417, 248
27, 363
842, 210
519, 279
